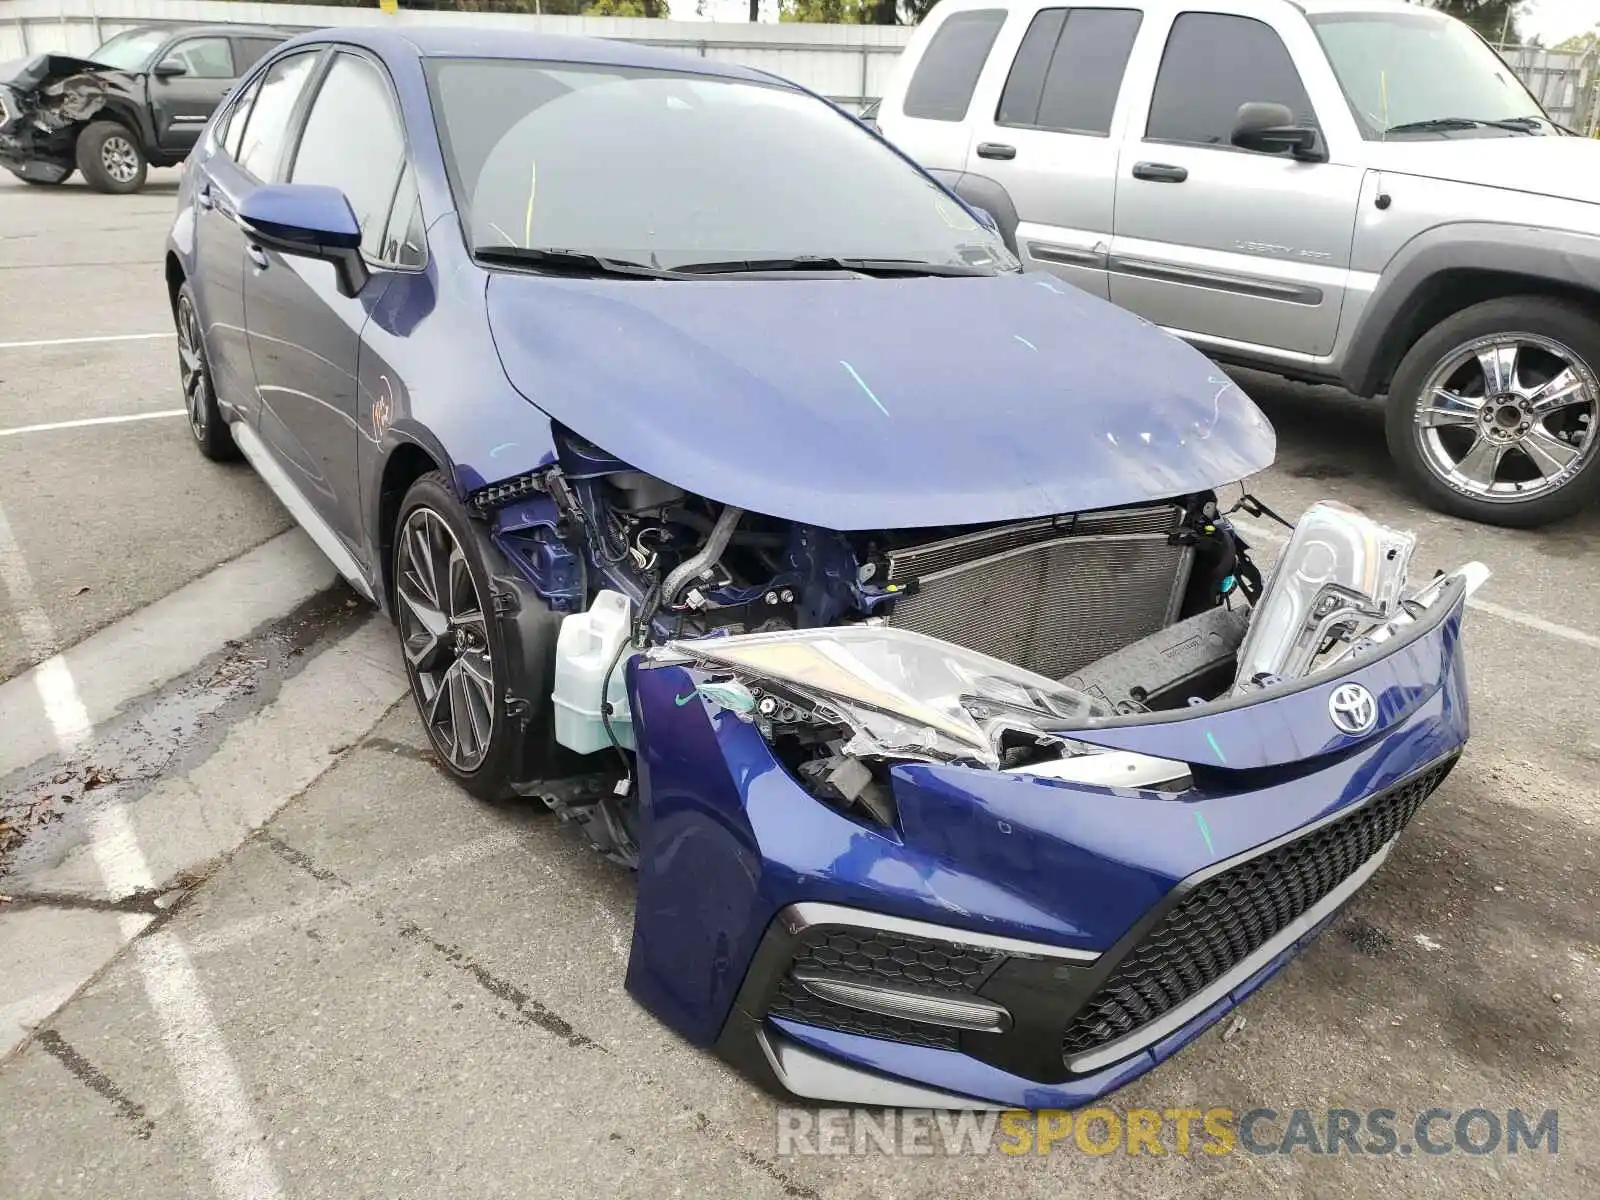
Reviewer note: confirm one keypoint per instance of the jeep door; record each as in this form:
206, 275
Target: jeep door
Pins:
1045, 129
1235, 248
187, 83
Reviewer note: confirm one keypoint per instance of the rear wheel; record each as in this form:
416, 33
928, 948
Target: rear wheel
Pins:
194, 373
1494, 414
111, 158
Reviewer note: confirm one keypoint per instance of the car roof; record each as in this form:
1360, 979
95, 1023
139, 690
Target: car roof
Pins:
456, 41
221, 30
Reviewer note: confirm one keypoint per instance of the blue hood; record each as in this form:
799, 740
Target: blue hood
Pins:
876, 404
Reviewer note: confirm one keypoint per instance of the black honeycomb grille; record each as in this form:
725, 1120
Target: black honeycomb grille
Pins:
1228, 917
873, 956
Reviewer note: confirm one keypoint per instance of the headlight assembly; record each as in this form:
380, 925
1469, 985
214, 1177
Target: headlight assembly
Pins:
901, 694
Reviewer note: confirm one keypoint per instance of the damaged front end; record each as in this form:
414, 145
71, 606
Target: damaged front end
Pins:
45, 101
1000, 814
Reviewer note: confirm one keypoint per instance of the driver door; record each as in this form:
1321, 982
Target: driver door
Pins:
186, 85
304, 335
1218, 243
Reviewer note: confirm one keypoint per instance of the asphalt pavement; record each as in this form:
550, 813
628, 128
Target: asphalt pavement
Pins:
257, 946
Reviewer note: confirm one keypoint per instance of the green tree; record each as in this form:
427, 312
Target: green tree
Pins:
855, 12
1583, 43
1493, 19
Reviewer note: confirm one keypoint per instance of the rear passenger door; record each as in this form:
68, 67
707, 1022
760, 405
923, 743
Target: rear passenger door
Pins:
182, 104
1047, 137
1240, 249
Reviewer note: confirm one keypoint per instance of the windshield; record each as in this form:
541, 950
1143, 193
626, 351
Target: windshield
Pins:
1400, 68
671, 169
130, 51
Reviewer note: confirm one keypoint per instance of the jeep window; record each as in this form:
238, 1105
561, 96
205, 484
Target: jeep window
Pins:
674, 169
203, 58
268, 127
133, 50
941, 86
352, 141
1212, 65
251, 50
1069, 69
1405, 68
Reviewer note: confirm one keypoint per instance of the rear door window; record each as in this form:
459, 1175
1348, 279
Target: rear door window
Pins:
352, 141
267, 131
941, 86
1212, 65
1069, 70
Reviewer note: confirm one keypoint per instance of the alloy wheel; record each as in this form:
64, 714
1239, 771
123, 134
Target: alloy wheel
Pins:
446, 640
119, 158
1508, 418
192, 369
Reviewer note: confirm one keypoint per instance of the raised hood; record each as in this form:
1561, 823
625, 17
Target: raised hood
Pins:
871, 404
1565, 167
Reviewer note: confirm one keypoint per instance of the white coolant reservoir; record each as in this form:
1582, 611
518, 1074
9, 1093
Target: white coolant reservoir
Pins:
585, 651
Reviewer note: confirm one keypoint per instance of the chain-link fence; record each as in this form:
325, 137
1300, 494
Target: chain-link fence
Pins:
1565, 82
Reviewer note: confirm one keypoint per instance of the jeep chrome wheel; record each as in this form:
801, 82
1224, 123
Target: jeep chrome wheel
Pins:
1508, 418
1493, 412
119, 158
446, 640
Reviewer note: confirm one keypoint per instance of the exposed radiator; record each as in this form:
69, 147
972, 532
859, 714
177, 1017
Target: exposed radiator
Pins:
1050, 595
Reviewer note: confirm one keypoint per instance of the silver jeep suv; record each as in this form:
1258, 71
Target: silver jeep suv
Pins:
1356, 192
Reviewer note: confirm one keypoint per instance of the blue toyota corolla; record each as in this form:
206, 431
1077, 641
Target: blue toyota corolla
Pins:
735, 496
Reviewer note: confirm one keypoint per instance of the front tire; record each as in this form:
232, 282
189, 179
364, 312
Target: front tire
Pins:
111, 158
457, 656
1494, 414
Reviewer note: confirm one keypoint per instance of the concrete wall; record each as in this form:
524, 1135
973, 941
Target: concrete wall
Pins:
848, 63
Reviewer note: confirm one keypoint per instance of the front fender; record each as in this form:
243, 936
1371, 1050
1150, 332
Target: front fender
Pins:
1530, 254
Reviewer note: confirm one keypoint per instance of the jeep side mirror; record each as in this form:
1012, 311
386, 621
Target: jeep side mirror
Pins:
1271, 128
169, 68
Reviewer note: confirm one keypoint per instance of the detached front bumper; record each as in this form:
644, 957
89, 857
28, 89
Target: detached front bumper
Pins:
1016, 941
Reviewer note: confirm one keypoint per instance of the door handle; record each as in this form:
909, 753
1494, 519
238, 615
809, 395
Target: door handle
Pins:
1160, 172
202, 196
258, 256
996, 150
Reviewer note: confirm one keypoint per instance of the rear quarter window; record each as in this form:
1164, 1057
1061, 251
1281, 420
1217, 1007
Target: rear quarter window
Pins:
941, 86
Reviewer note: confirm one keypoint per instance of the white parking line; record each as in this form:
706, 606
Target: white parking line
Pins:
85, 422
87, 341
1264, 533
213, 1093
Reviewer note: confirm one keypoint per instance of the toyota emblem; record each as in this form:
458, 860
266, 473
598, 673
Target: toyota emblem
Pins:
1353, 709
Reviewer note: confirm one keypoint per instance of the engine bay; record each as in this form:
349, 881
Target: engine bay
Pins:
979, 645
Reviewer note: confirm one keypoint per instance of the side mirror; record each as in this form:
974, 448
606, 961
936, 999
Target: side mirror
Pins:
1271, 128
309, 221
168, 69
